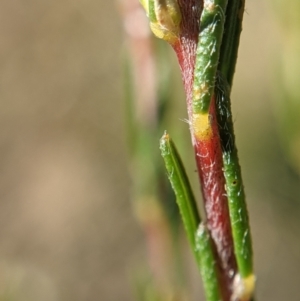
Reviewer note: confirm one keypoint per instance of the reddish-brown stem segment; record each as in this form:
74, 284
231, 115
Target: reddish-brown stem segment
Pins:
186, 45
208, 152
209, 162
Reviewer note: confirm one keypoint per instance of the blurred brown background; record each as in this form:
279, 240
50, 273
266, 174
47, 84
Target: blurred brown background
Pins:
66, 227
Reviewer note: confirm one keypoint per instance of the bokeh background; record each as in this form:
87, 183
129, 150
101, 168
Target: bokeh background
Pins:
67, 231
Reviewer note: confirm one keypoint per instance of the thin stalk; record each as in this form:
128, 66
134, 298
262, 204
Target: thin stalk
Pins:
206, 139
210, 168
206, 42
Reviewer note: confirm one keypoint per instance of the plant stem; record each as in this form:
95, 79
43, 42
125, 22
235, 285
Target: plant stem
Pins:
206, 139
206, 43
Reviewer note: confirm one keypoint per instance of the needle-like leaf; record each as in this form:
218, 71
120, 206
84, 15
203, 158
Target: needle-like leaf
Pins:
182, 188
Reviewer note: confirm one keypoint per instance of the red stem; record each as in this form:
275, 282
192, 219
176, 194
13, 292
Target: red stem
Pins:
208, 153
209, 162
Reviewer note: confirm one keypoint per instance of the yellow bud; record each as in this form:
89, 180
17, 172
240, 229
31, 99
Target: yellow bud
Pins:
202, 127
243, 288
165, 18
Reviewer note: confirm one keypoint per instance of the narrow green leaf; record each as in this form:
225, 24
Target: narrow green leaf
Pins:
197, 233
208, 53
182, 188
207, 264
234, 185
231, 38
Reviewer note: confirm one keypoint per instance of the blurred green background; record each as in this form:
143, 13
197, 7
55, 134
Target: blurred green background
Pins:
67, 231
